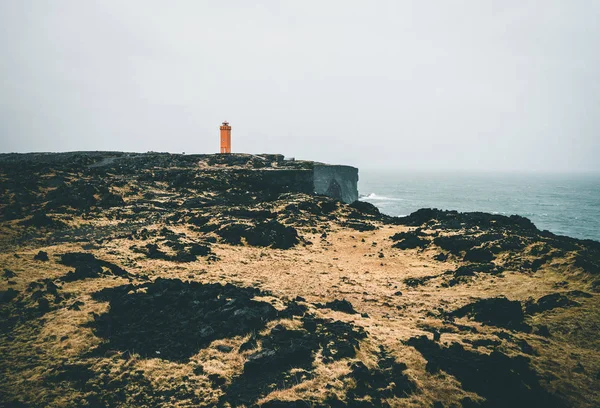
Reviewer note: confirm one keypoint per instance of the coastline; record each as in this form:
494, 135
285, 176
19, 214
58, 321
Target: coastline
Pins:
564, 203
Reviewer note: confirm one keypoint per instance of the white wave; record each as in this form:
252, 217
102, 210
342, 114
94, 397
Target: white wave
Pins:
375, 197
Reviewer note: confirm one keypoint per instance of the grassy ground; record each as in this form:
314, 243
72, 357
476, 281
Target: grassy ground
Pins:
149, 322
360, 267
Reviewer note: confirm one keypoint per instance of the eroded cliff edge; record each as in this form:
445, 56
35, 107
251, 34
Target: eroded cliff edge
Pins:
268, 173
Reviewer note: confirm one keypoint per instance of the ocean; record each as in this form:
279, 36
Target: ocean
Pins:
565, 204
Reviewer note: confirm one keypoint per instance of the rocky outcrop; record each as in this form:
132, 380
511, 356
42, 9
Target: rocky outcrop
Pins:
491, 376
499, 312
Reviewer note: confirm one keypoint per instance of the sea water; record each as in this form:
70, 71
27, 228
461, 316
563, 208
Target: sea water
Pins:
565, 204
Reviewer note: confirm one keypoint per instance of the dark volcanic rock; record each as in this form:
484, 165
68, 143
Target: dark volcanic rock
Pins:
479, 255
78, 195
503, 381
458, 220
176, 318
78, 374
249, 344
365, 208
409, 240
414, 282
338, 339
264, 234
39, 297
42, 220
184, 251
419, 217
101, 386
464, 272
510, 243
550, 302
233, 233
41, 256
589, 260
43, 305
456, 244
84, 272
359, 226
339, 305
293, 309
542, 331
285, 349
250, 214
441, 257
87, 266
535, 264
8, 295
328, 206
111, 200
495, 312
81, 195
385, 381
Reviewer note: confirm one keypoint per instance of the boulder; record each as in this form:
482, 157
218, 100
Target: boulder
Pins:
498, 311
41, 256
365, 208
479, 255
340, 306
549, 302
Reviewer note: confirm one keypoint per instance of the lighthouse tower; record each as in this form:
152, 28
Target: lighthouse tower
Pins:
225, 137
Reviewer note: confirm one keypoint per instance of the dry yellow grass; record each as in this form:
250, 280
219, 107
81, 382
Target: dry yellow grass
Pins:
361, 267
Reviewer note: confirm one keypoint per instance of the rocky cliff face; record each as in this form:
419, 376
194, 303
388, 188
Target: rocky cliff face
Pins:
243, 177
339, 182
267, 174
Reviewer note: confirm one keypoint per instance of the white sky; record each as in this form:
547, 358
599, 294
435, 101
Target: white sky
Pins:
423, 84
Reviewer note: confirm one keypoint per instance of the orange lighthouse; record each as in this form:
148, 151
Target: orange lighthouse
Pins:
225, 137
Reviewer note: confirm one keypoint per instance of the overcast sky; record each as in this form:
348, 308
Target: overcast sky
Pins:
422, 84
